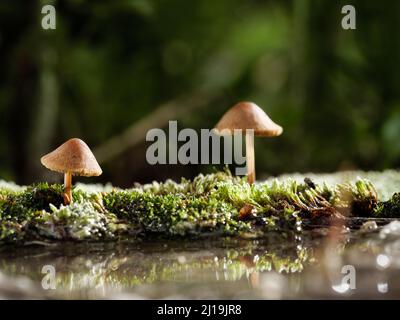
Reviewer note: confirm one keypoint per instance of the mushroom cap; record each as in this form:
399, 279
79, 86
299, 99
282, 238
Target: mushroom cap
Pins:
247, 115
73, 156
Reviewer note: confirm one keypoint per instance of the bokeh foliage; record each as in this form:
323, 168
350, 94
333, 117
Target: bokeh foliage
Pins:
110, 63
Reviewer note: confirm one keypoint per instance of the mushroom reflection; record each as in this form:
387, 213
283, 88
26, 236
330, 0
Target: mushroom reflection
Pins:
254, 276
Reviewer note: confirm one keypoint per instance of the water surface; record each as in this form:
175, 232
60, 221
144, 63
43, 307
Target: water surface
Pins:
310, 264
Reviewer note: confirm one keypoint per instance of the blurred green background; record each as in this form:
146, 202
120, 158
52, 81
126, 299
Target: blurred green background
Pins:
113, 69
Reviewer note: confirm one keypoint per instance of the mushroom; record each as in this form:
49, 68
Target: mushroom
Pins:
72, 158
244, 116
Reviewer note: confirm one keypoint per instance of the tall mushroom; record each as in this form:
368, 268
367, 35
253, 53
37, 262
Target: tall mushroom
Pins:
73, 158
243, 116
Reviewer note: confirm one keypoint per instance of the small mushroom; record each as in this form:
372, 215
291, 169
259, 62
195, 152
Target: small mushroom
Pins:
73, 158
243, 116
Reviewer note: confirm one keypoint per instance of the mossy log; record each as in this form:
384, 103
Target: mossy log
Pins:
217, 204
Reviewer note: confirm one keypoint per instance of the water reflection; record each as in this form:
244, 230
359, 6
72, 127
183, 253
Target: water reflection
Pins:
280, 266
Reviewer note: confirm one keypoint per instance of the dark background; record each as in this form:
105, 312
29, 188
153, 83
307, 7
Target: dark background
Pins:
114, 69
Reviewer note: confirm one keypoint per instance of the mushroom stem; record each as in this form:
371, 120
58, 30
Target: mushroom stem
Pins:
251, 169
67, 188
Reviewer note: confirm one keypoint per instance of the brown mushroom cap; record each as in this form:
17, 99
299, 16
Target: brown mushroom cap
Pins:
247, 115
73, 156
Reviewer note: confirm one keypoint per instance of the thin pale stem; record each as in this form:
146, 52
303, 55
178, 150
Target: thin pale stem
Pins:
251, 169
67, 188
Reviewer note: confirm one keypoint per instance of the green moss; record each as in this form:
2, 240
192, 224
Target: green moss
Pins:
362, 196
218, 203
389, 209
18, 206
11, 231
78, 221
174, 214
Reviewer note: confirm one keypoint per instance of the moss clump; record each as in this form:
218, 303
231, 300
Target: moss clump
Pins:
362, 197
18, 206
174, 214
389, 209
217, 203
200, 185
78, 221
11, 231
